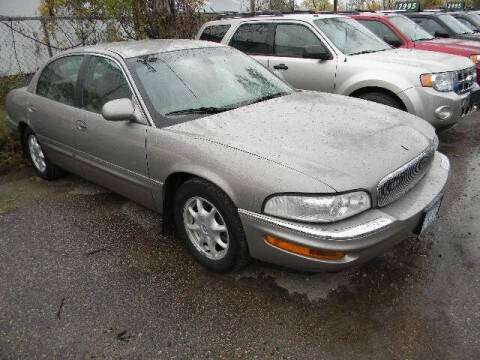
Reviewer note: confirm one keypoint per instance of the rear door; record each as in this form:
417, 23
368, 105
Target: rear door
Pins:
51, 109
290, 39
214, 33
254, 39
113, 153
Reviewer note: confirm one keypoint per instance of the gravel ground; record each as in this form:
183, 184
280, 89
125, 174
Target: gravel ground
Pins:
85, 273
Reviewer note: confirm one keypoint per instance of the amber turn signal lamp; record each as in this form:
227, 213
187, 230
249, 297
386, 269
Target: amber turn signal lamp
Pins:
426, 80
303, 250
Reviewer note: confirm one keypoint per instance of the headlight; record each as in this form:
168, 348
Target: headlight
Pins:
325, 208
475, 58
439, 81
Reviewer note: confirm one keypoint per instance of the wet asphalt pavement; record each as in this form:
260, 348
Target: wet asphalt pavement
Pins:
85, 273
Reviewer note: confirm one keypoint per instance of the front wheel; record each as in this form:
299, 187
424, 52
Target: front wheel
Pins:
208, 221
34, 151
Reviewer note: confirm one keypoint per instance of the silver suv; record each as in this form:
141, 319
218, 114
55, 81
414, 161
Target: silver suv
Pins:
336, 54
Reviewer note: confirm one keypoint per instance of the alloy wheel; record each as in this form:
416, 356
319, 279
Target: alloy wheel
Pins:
206, 228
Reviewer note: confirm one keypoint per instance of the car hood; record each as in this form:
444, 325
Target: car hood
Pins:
424, 61
345, 143
452, 46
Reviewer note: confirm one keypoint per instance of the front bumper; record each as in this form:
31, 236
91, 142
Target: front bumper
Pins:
361, 237
424, 102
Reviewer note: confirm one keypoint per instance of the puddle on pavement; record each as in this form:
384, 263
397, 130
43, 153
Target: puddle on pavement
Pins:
313, 286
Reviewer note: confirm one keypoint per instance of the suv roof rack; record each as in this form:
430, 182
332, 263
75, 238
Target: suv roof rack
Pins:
300, 12
236, 14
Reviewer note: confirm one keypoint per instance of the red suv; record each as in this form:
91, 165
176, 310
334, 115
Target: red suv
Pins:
399, 31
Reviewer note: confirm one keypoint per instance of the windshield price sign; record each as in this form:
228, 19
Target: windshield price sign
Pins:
455, 5
407, 5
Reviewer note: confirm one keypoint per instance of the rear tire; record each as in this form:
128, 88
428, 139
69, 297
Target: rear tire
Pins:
33, 150
208, 221
382, 98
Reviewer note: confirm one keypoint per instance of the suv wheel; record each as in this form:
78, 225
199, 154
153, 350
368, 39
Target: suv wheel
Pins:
208, 221
382, 98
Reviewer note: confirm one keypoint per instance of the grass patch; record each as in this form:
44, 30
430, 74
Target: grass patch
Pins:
10, 148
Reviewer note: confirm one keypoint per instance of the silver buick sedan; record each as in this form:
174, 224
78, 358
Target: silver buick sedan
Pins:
240, 165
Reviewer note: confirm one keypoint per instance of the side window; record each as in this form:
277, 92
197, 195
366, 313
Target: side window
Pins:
104, 82
380, 29
58, 80
214, 33
429, 24
252, 39
291, 39
466, 23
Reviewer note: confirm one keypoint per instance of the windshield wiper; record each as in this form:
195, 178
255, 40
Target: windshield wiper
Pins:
200, 110
267, 97
368, 51
147, 64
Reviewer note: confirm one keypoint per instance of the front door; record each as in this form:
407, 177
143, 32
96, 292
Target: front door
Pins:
113, 153
288, 57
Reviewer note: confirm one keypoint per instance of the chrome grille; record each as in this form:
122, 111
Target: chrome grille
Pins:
464, 80
396, 184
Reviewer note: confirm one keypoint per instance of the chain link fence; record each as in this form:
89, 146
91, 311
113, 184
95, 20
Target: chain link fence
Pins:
27, 42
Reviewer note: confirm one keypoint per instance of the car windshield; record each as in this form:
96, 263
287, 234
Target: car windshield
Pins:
456, 26
350, 37
202, 81
410, 28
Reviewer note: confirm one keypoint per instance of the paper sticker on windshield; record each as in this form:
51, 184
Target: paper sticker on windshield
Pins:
407, 5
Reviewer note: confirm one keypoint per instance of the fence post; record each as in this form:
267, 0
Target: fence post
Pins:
47, 37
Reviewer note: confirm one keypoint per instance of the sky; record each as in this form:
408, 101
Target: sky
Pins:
19, 7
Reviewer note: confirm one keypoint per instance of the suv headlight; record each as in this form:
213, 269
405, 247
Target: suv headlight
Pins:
321, 208
439, 81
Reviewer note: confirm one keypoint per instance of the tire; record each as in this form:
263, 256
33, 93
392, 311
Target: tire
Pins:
33, 151
382, 98
204, 229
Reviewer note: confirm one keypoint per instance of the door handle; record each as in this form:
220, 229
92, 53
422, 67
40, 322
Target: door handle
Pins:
280, 67
81, 125
31, 109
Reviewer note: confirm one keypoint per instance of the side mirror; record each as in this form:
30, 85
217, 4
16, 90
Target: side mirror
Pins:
441, 34
317, 52
118, 110
392, 40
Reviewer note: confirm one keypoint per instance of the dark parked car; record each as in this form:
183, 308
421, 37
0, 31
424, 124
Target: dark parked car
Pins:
471, 19
442, 24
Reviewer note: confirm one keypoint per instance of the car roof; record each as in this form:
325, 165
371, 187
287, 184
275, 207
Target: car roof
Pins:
369, 14
426, 13
239, 19
128, 49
